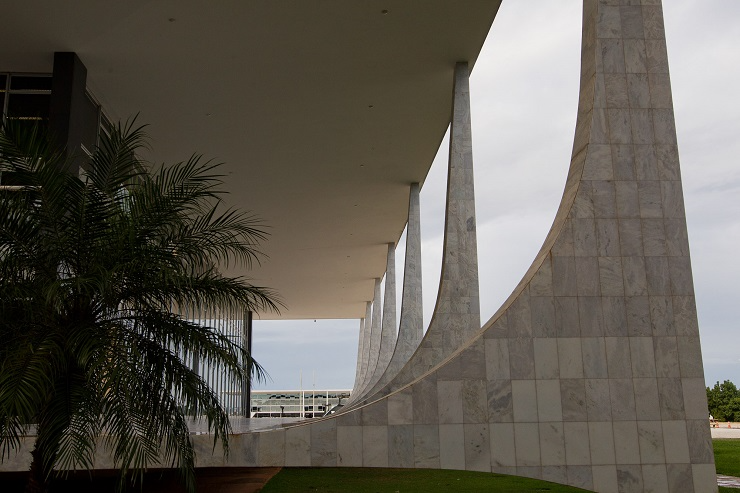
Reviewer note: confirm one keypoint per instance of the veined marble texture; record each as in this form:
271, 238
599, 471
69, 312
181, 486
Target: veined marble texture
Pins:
590, 374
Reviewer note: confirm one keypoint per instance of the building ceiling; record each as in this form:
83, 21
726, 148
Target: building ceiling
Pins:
323, 112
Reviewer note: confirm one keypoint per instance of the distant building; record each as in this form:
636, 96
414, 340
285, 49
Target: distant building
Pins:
295, 403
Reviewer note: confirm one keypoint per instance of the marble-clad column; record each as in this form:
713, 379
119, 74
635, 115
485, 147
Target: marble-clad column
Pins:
411, 326
456, 315
373, 343
360, 351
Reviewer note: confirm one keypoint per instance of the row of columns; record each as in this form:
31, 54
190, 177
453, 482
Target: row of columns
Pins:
393, 364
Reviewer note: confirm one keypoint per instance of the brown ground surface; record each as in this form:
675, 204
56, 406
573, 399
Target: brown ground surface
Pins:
210, 480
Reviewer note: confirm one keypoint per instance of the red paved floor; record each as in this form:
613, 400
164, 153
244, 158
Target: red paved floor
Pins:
211, 480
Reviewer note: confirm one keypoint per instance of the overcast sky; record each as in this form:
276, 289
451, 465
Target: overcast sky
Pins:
524, 90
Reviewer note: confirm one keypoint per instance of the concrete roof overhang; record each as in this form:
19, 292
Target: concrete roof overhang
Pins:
323, 111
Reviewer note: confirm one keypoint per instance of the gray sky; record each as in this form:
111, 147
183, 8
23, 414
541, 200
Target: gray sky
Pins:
524, 91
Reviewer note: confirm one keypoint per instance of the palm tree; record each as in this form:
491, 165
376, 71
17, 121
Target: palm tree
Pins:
96, 267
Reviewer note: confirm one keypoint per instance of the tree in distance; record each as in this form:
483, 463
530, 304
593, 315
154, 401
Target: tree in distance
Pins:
97, 265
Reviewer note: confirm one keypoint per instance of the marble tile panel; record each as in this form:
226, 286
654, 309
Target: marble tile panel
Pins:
642, 357
615, 316
452, 447
500, 403
630, 236
349, 446
620, 129
477, 452
608, 23
426, 446
601, 440
425, 401
607, 237
622, 397
657, 58
546, 358
605, 479
616, 92
244, 449
623, 164
577, 450
400, 408
638, 316
682, 282
521, 358
670, 398
298, 446
519, 317
598, 402
650, 199
632, 23
323, 451
604, 199
580, 477
677, 239
449, 401
503, 449
652, 450
660, 94
610, 276
635, 56
658, 273
655, 478
555, 474
595, 94
684, 316
638, 90
654, 238
704, 475
635, 276
375, 414
629, 479
700, 441
567, 323
642, 125
666, 357
349, 419
499, 329
647, 405
695, 397
570, 359
374, 446
664, 127
584, 238
497, 359
612, 55
590, 316
587, 276
474, 401
646, 163
676, 442
549, 407
583, 205
627, 204
672, 195
541, 283
205, 453
618, 357
524, 399
594, 357
661, 315
527, 440
626, 442
401, 446
653, 22
689, 356
573, 399
680, 477
552, 444
272, 448
543, 316
599, 159
563, 246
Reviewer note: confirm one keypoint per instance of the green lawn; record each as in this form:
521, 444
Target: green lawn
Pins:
727, 457
372, 480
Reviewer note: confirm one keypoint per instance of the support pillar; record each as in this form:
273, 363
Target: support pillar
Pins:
411, 326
